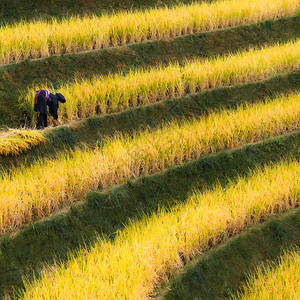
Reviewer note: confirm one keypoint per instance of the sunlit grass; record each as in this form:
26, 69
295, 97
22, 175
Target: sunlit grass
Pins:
34, 192
118, 92
275, 281
42, 38
146, 252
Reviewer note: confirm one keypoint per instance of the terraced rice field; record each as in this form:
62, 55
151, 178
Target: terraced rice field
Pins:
139, 256
46, 186
159, 162
117, 92
76, 34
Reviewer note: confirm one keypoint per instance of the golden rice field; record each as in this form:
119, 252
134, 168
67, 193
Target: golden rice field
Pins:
34, 192
139, 258
118, 92
13, 142
41, 39
275, 281
148, 250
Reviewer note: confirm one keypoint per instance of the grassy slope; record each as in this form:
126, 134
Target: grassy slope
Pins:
224, 269
59, 69
105, 212
67, 137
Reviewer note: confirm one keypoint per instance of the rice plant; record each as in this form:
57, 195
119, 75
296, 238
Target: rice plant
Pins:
33, 192
43, 38
118, 92
147, 252
275, 281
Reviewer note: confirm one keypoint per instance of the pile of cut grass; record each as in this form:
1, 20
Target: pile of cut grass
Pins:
14, 142
33, 192
41, 38
118, 92
147, 252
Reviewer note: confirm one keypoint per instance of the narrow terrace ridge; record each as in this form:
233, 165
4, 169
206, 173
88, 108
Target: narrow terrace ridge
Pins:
223, 270
60, 69
25, 251
67, 137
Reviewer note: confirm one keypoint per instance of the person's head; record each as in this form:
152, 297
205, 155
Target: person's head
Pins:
61, 98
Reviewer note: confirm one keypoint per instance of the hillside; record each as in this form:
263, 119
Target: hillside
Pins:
175, 171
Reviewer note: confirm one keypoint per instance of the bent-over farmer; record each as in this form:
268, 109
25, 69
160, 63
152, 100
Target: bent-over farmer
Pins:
44, 98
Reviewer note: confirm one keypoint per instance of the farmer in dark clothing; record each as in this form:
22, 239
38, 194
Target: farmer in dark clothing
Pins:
53, 104
43, 99
40, 105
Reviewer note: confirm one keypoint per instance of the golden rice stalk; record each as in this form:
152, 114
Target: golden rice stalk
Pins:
43, 38
275, 281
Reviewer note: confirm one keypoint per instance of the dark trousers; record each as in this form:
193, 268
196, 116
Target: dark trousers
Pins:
41, 119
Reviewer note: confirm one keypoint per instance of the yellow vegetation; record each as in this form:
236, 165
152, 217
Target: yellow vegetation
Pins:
14, 142
147, 251
41, 38
275, 281
117, 92
42, 188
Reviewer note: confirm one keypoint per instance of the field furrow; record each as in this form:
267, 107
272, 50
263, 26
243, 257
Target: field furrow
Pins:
41, 39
